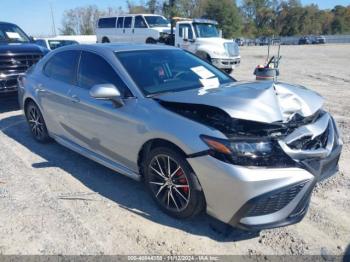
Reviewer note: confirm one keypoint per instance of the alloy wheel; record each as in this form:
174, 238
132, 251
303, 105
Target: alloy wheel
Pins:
168, 183
36, 123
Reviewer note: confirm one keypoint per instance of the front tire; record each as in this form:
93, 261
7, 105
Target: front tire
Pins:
228, 71
171, 183
36, 123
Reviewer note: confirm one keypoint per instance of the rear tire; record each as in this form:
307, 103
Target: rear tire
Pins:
151, 41
171, 183
36, 123
105, 40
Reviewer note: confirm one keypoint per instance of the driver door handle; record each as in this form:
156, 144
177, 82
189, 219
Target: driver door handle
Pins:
75, 99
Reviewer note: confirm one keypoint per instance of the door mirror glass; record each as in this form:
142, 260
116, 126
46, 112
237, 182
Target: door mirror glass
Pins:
107, 91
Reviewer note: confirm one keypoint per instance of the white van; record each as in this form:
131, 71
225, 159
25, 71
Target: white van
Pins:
136, 28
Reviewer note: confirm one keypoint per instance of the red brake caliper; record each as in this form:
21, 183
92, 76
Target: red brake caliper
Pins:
182, 181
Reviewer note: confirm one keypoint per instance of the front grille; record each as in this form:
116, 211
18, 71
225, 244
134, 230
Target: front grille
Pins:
17, 63
275, 202
231, 49
229, 62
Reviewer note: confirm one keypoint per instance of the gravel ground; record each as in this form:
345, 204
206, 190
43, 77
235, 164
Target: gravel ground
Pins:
54, 201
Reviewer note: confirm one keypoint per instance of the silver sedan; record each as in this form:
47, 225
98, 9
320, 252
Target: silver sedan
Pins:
248, 153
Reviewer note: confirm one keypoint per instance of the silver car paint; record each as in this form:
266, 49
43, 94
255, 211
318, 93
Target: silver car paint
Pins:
141, 119
114, 136
257, 101
227, 187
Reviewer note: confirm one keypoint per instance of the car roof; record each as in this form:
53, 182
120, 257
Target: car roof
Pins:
122, 47
122, 15
7, 23
55, 39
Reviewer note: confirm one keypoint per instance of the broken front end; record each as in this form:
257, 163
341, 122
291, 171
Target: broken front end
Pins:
263, 174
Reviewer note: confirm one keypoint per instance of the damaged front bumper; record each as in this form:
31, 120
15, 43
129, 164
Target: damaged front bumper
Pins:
255, 198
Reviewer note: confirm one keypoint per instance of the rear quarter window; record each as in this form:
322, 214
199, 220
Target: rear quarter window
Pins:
62, 66
107, 22
120, 22
127, 22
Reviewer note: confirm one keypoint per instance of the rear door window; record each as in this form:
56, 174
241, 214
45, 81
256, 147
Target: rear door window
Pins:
127, 22
62, 66
120, 22
95, 70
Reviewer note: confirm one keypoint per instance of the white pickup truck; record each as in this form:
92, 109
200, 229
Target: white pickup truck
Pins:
198, 36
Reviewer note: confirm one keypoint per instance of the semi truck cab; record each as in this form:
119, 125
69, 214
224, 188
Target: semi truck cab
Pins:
203, 38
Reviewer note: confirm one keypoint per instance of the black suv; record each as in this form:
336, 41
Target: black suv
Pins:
18, 52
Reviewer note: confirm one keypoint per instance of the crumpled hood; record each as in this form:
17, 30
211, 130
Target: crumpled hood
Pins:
265, 101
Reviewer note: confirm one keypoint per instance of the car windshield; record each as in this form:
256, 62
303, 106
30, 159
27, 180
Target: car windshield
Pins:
162, 71
157, 21
206, 30
12, 34
59, 43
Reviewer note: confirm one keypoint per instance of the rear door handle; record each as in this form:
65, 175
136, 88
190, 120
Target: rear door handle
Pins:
75, 99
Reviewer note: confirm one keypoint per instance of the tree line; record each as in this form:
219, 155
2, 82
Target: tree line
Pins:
252, 18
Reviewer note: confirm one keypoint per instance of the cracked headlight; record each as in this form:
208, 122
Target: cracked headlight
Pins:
248, 151
251, 149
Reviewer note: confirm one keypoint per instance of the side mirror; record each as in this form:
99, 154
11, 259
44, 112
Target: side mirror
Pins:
185, 34
108, 92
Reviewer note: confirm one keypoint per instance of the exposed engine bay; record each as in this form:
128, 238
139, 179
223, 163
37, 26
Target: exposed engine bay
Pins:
220, 120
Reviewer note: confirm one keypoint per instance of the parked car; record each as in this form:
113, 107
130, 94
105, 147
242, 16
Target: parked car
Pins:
248, 153
81, 39
263, 40
318, 40
17, 53
305, 40
240, 41
249, 42
53, 43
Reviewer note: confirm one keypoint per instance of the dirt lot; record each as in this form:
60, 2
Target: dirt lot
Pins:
54, 201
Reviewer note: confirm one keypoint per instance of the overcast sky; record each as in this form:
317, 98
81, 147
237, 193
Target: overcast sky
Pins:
34, 17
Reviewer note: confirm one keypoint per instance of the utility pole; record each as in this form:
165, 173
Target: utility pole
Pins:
171, 5
53, 25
